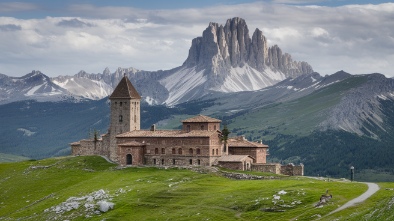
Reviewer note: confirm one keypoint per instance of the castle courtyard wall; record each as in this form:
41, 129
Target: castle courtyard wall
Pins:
267, 168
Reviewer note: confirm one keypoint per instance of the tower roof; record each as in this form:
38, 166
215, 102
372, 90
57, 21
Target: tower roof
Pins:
125, 90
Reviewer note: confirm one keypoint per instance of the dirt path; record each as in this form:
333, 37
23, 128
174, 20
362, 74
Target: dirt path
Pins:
372, 188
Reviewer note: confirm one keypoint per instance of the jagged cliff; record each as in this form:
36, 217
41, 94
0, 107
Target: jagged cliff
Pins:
224, 47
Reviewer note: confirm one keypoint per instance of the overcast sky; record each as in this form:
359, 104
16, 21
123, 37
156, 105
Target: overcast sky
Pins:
64, 37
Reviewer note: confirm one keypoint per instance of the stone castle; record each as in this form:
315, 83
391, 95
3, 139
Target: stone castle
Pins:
198, 143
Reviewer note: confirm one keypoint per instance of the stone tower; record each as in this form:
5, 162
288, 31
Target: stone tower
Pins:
125, 113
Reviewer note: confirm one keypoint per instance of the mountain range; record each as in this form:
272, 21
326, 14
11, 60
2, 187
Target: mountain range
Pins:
223, 59
255, 89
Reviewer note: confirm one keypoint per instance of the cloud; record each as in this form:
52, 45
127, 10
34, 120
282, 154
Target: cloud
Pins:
16, 6
356, 38
75, 23
10, 27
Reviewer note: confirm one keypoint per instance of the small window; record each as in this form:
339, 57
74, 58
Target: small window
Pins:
214, 127
162, 161
202, 127
120, 118
173, 161
213, 151
154, 161
190, 161
173, 150
120, 103
198, 151
198, 162
191, 151
217, 152
188, 128
163, 151
156, 150
116, 103
180, 151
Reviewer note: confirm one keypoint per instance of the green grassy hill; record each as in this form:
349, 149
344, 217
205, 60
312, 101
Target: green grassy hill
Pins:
11, 158
73, 188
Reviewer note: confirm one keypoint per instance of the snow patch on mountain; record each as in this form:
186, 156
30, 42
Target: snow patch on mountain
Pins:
182, 81
247, 78
33, 90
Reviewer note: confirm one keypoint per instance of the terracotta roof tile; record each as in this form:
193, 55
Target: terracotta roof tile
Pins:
125, 90
239, 142
132, 143
201, 119
233, 158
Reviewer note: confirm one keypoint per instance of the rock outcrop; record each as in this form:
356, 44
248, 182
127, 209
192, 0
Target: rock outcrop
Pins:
223, 47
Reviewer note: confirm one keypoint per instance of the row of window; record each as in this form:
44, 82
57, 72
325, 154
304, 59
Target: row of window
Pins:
155, 161
121, 118
121, 103
201, 127
180, 151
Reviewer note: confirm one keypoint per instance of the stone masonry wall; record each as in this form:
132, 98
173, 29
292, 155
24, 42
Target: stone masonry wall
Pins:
185, 151
292, 170
268, 168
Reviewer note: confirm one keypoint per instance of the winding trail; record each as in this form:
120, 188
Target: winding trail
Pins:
372, 189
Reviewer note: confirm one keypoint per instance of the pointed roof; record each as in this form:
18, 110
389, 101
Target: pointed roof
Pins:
125, 90
201, 119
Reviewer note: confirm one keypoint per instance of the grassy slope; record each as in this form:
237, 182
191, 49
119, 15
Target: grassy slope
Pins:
299, 117
153, 193
11, 158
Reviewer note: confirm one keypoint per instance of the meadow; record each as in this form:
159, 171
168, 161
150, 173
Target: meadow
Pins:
77, 188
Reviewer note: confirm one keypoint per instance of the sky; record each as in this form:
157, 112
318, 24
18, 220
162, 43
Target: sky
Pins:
65, 37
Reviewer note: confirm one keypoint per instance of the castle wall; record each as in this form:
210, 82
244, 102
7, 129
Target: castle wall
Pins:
88, 147
182, 151
211, 126
137, 155
267, 168
259, 154
292, 170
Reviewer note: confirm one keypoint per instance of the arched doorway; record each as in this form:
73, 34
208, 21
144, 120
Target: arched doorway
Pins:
129, 159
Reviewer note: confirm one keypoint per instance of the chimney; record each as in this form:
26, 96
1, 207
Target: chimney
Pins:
153, 127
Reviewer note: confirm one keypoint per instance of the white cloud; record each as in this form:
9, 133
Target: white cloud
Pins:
358, 38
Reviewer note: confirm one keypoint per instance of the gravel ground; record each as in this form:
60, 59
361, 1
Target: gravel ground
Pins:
372, 188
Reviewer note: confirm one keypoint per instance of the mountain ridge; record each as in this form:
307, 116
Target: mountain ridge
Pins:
224, 59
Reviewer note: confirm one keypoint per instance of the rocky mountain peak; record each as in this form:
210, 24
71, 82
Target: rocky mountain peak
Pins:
230, 46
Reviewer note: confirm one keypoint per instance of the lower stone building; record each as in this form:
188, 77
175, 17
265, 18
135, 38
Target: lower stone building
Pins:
198, 143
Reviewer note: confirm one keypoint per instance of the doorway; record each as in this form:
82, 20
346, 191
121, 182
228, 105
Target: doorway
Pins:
129, 159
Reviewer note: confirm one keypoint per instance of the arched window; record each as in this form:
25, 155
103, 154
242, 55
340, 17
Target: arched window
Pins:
129, 159
202, 127
214, 127
198, 151
213, 151
173, 161
198, 162
162, 161
154, 161
188, 128
180, 151
120, 118
173, 150
120, 103
156, 150
217, 152
191, 151
190, 161
163, 151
